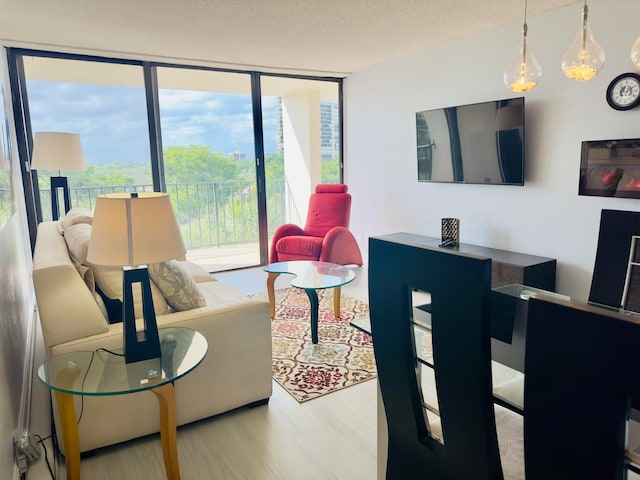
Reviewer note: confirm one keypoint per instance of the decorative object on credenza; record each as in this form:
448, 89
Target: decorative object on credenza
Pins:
450, 232
523, 72
585, 57
610, 168
58, 151
623, 93
132, 230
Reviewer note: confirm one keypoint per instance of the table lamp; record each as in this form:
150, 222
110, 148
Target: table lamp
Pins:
132, 230
58, 151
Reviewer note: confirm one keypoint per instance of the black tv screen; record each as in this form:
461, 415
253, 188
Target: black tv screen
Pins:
477, 143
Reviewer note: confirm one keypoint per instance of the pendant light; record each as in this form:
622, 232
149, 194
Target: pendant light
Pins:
585, 57
635, 53
523, 72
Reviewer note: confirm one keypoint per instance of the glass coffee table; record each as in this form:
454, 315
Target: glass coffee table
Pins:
310, 276
103, 372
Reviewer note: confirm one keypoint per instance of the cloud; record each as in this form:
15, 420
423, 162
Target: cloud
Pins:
112, 120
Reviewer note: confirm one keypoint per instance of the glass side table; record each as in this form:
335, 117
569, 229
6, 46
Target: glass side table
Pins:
103, 372
310, 276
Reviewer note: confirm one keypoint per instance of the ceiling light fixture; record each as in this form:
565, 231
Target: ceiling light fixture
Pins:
585, 57
524, 71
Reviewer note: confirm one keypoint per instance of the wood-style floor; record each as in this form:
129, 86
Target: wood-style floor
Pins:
331, 437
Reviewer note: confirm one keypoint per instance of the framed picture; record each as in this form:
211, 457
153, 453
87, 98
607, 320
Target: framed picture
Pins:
610, 168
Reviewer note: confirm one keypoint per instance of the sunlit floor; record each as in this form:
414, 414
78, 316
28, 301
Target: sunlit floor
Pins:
227, 257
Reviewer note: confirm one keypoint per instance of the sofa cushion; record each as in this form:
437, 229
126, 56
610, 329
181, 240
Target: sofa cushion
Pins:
109, 284
179, 289
76, 216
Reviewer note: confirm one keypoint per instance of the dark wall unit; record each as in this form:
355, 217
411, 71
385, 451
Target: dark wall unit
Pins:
507, 267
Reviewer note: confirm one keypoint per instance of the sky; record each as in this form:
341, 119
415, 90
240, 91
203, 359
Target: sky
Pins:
112, 120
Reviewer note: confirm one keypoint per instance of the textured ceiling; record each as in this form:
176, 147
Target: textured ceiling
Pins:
325, 37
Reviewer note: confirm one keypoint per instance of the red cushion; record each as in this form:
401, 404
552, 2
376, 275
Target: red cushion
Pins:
297, 247
331, 188
327, 210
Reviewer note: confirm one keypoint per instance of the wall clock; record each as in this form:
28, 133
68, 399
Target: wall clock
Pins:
623, 92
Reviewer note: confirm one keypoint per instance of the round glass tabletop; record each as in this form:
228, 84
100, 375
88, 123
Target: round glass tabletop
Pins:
104, 372
312, 274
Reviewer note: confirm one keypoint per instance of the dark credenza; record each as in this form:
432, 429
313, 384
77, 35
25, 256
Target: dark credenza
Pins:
506, 267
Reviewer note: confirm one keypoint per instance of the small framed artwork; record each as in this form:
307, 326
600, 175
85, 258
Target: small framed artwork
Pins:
610, 168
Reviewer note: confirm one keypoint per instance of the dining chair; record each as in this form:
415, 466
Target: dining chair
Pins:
581, 379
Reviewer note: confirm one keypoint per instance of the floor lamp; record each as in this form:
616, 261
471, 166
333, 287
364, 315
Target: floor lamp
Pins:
132, 230
58, 151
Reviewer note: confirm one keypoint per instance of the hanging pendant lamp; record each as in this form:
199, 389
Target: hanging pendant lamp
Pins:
585, 57
523, 72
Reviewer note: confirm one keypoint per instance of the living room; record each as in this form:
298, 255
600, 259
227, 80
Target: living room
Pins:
544, 217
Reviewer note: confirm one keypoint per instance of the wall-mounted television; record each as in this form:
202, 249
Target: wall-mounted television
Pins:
477, 143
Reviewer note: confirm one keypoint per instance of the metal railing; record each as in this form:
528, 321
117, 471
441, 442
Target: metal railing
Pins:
210, 214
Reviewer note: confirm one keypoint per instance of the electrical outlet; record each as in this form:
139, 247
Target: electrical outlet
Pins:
25, 449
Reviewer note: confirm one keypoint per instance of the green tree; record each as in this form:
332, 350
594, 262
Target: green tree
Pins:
196, 163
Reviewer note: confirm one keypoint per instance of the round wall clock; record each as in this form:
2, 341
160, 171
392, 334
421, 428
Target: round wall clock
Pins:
623, 92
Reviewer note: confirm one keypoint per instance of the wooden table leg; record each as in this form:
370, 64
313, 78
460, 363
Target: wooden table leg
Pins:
68, 425
168, 429
336, 302
271, 280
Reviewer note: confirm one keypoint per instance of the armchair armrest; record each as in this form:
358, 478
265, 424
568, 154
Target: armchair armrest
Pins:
340, 246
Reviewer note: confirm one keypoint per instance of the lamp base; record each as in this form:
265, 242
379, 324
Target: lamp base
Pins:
63, 184
144, 344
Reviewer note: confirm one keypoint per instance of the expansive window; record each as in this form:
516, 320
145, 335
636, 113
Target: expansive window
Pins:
238, 152
105, 104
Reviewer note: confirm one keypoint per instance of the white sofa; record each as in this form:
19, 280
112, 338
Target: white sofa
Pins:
236, 371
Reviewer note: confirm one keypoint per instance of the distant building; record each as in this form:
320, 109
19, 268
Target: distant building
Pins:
237, 156
329, 130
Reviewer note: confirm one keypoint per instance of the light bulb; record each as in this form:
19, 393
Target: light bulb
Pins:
635, 53
524, 71
585, 57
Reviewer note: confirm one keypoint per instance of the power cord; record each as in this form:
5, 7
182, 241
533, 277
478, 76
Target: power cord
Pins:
46, 453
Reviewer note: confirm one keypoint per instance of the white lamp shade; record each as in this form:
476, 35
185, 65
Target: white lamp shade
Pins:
134, 231
57, 151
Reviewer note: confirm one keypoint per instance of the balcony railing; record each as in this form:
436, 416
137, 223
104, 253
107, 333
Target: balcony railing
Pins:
210, 214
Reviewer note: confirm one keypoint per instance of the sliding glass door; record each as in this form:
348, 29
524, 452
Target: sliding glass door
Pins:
302, 149
208, 143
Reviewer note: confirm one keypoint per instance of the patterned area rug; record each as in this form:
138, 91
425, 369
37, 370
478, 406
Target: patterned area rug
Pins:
342, 357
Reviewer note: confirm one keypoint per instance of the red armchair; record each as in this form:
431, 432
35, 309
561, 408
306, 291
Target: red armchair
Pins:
325, 237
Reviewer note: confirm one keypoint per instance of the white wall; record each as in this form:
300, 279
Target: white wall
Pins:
545, 217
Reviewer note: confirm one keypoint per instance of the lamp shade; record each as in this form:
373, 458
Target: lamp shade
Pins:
57, 151
134, 229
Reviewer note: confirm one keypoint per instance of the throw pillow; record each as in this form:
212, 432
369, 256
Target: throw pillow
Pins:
77, 237
75, 216
178, 288
109, 285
